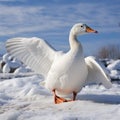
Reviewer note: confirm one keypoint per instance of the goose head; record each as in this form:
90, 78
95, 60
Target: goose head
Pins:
81, 28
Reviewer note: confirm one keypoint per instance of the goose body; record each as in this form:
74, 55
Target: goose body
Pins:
68, 73
64, 73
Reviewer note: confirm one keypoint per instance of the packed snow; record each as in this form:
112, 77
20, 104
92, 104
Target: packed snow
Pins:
114, 69
23, 98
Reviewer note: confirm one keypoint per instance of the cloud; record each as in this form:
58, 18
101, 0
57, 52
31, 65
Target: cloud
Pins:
105, 18
18, 19
53, 22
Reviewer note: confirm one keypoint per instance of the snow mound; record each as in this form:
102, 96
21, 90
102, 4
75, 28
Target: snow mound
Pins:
114, 66
24, 99
114, 69
12, 65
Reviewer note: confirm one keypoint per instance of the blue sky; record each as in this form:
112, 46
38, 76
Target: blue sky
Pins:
52, 20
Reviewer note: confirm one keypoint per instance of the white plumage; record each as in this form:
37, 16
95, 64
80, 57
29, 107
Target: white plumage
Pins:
97, 73
64, 72
34, 52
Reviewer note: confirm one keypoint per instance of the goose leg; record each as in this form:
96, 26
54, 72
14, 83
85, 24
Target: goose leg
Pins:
58, 99
74, 96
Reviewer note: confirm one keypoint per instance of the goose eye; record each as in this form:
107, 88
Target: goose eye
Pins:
81, 26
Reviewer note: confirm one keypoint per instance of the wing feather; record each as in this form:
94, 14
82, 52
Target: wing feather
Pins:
97, 73
34, 52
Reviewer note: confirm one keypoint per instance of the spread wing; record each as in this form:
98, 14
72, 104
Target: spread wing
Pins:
97, 73
34, 52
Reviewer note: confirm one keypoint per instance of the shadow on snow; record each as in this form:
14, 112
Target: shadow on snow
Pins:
107, 99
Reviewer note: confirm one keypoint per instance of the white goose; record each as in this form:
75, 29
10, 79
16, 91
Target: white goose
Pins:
64, 73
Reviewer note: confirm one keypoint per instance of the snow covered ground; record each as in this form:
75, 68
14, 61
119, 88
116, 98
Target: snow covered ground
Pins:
23, 98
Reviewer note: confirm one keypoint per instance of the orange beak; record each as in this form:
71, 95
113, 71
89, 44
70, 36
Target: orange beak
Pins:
90, 30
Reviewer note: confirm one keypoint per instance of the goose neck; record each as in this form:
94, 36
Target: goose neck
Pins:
74, 43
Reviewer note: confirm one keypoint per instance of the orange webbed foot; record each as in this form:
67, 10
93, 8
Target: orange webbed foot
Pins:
59, 100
